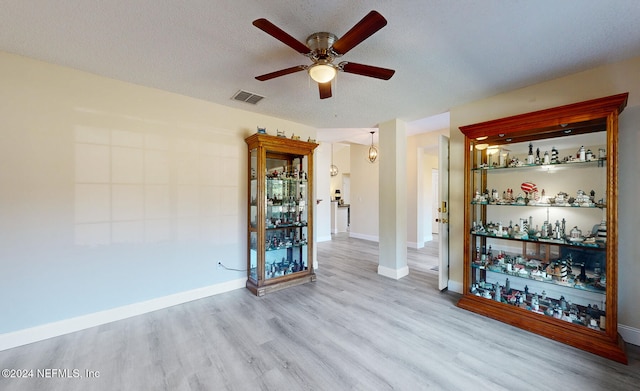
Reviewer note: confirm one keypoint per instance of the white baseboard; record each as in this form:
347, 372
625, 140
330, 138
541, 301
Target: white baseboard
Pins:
396, 274
363, 236
325, 238
454, 286
629, 334
50, 330
413, 245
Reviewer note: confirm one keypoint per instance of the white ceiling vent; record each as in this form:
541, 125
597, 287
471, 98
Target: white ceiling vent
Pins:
247, 97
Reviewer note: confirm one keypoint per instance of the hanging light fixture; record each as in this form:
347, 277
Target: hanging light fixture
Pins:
333, 170
373, 151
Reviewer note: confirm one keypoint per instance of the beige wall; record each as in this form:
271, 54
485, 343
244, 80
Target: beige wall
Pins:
364, 194
342, 159
603, 81
115, 194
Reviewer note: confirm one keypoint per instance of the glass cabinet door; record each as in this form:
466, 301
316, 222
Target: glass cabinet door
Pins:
538, 226
286, 208
253, 214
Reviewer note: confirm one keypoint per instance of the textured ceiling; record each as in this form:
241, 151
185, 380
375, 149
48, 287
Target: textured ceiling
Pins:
445, 53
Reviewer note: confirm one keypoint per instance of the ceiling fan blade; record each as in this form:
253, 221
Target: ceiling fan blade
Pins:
279, 34
281, 72
325, 90
367, 70
365, 28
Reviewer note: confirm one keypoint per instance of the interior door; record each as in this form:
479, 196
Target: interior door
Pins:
443, 212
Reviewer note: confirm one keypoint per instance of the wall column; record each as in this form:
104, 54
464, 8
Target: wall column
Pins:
392, 207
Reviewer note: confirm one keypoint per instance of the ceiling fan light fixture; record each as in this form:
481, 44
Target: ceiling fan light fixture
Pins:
322, 73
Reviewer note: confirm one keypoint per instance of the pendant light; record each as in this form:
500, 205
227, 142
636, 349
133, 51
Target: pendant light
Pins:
333, 170
373, 151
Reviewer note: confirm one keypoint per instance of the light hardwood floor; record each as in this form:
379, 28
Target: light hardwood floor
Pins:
350, 330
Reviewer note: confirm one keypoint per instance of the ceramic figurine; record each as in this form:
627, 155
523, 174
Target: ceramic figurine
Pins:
602, 232
554, 155
582, 154
546, 159
563, 271
530, 158
497, 294
557, 312
535, 304
528, 187
575, 235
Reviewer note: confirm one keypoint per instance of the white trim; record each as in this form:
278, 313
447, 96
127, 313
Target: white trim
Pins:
396, 274
454, 286
630, 334
363, 236
325, 238
413, 245
50, 330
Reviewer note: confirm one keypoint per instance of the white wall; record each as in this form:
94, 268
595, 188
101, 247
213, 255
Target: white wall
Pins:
420, 161
595, 83
115, 194
322, 218
342, 160
364, 194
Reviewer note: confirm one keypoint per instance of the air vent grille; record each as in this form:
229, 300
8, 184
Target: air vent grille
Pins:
247, 97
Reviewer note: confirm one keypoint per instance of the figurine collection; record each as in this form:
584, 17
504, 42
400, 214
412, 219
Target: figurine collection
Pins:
549, 232
591, 315
531, 197
563, 271
548, 158
285, 217
283, 267
282, 134
524, 270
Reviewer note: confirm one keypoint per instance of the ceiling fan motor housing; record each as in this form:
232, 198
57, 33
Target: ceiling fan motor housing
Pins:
320, 43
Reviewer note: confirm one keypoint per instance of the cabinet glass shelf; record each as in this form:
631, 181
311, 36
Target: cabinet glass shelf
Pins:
560, 242
545, 167
596, 206
592, 284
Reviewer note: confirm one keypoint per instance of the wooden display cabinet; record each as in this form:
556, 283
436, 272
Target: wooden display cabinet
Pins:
280, 213
541, 223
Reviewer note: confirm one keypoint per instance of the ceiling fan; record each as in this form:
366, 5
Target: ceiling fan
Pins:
322, 48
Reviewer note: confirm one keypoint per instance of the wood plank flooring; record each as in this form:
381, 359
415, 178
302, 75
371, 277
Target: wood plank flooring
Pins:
350, 330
